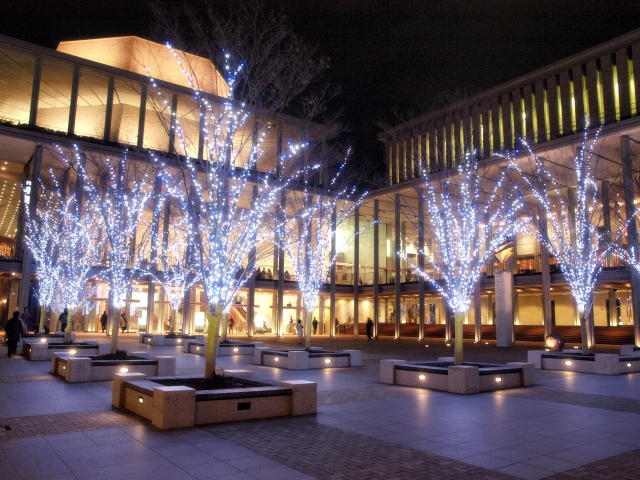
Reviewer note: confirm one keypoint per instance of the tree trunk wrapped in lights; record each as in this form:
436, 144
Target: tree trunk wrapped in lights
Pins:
567, 191
62, 239
308, 226
470, 211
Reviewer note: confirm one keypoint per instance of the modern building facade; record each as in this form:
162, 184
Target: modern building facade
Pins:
102, 95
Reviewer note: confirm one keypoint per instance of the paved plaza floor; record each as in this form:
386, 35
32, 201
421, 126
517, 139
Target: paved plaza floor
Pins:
568, 425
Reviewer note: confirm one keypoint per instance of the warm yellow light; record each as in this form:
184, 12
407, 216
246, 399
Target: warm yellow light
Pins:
276, 359
448, 344
235, 349
197, 348
179, 340
64, 367
498, 379
140, 400
327, 361
72, 352
486, 343
421, 377
43, 339
568, 362
629, 364
576, 346
124, 370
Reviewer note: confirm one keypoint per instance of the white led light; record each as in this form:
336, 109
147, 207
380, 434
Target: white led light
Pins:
421, 376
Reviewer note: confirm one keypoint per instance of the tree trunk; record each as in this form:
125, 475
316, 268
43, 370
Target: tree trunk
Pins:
43, 316
172, 323
67, 334
115, 328
587, 345
457, 354
307, 330
212, 341
225, 327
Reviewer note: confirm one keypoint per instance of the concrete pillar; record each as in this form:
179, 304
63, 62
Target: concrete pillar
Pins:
606, 218
27, 258
504, 308
35, 91
477, 310
73, 103
141, 116
106, 136
173, 124
376, 266
252, 280
332, 277
280, 299
632, 231
398, 285
356, 270
421, 288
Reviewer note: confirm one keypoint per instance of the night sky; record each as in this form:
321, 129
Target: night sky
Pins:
388, 56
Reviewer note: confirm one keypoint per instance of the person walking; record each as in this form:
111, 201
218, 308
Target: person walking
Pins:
25, 317
315, 325
232, 324
13, 328
103, 320
63, 320
300, 329
369, 328
123, 322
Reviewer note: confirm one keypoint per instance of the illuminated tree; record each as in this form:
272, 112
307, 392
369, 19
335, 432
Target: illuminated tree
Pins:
120, 190
63, 242
568, 195
470, 211
308, 226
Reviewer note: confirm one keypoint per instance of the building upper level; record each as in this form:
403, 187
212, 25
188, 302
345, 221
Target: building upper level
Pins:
129, 92
598, 86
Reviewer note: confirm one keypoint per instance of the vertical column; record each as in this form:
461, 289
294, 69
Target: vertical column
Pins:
186, 312
592, 90
477, 310
356, 270
172, 124
622, 67
35, 92
632, 232
202, 132
141, 116
252, 280
376, 265
30, 202
73, 104
106, 135
606, 78
153, 254
280, 299
606, 217
332, 279
421, 309
545, 273
398, 285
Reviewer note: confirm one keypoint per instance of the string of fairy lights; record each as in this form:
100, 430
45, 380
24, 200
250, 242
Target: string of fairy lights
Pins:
574, 238
468, 218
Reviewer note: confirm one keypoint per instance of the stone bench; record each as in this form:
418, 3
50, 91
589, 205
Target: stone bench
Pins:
91, 370
44, 350
600, 363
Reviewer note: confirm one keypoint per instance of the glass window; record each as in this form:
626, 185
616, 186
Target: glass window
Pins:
126, 112
55, 95
16, 83
92, 104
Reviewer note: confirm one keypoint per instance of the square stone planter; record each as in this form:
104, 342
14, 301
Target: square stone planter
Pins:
44, 337
168, 404
600, 363
304, 360
224, 349
43, 350
158, 339
629, 350
88, 369
463, 379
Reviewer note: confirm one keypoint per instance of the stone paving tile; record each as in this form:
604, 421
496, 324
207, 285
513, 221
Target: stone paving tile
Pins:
28, 378
571, 398
24, 427
620, 467
316, 450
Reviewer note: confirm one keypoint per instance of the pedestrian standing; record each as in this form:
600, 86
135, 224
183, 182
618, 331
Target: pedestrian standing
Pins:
315, 325
13, 328
63, 319
300, 329
123, 322
25, 317
369, 328
103, 320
